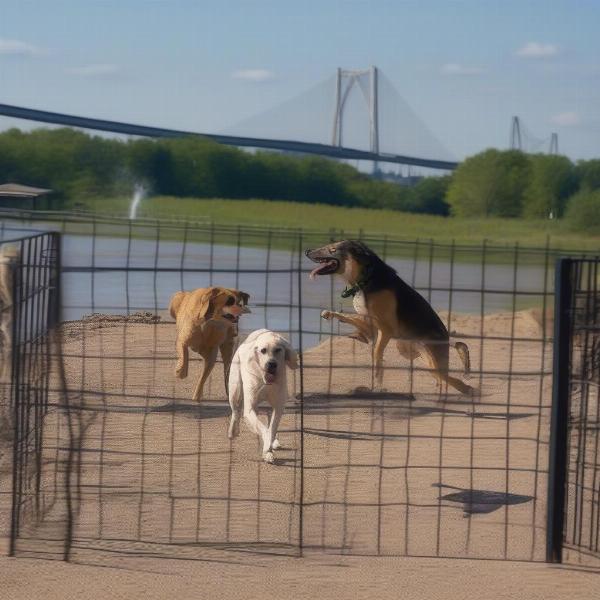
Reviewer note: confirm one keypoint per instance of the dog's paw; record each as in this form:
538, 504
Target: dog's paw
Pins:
276, 445
234, 430
326, 314
269, 457
181, 372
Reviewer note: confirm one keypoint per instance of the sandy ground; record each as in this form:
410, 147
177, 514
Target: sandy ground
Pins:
169, 507
316, 577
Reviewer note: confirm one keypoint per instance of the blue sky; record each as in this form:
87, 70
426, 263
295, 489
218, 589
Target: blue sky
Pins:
464, 67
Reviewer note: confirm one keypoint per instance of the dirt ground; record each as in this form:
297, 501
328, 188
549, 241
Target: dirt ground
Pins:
171, 508
251, 576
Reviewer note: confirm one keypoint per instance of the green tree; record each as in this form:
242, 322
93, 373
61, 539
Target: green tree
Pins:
151, 163
65, 160
489, 184
583, 212
587, 173
552, 180
372, 193
429, 196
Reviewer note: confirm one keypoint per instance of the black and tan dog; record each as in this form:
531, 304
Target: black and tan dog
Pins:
388, 308
206, 321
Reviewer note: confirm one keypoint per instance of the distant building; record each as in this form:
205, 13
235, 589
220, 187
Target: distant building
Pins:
398, 178
15, 195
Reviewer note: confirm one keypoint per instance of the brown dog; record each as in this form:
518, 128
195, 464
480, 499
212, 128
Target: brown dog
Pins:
206, 322
388, 308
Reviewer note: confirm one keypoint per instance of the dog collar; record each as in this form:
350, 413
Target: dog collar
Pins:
351, 291
358, 286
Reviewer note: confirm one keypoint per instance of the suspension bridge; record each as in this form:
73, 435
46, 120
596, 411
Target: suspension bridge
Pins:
522, 139
353, 115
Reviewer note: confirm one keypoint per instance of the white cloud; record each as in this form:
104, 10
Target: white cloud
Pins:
18, 48
456, 69
95, 70
254, 75
537, 50
566, 119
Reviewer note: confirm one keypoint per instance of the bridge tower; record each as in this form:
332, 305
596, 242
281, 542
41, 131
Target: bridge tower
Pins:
554, 144
515, 134
345, 81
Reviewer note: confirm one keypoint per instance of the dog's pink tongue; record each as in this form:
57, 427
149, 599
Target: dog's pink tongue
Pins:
269, 378
323, 265
314, 272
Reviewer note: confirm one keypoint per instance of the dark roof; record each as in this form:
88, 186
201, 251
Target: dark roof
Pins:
24, 191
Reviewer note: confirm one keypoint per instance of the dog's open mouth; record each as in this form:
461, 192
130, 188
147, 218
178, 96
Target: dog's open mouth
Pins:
231, 317
269, 378
326, 266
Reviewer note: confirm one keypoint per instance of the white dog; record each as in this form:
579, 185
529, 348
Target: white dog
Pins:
258, 373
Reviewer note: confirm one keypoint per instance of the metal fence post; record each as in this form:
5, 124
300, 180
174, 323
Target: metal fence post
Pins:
15, 405
557, 468
301, 394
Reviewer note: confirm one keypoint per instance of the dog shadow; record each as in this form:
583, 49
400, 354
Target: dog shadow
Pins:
397, 406
201, 410
196, 410
285, 461
480, 501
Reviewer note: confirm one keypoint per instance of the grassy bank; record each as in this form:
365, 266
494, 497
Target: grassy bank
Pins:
351, 220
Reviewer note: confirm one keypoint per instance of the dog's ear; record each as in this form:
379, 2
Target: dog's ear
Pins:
245, 297
360, 251
207, 302
365, 256
291, 356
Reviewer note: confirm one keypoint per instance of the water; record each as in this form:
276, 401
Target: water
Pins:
139, 192
95, 280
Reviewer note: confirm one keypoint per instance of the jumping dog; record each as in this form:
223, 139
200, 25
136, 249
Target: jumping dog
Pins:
388, 308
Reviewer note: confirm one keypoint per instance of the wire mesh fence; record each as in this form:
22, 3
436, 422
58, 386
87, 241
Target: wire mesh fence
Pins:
395, 469
29, 306
574, 515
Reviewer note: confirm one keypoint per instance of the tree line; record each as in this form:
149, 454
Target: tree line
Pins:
492, 183
77, 165
513, 184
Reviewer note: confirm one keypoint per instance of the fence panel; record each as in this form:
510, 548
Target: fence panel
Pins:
414, 470
405, 469
574, 515
154, 469
29, 305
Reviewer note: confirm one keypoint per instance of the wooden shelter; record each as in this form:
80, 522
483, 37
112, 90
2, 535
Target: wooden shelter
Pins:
15, 195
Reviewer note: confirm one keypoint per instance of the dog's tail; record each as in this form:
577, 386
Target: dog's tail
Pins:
175, 303
463, 352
